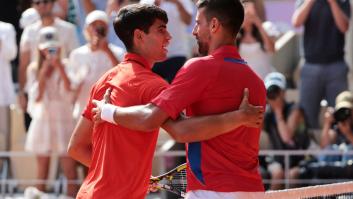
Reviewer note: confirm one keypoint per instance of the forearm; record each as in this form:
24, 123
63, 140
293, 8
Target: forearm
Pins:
184, 15
325, 136
203, 127
302, 13
82, 154
88, 6
285, 132
112, 57
24, 61
142, 118
268, 42
65, 78
341, 20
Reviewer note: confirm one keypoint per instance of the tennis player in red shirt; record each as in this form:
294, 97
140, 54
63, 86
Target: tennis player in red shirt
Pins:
225, 166
120, 159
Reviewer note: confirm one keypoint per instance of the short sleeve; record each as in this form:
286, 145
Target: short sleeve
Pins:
188, 87
151, 89
25, 40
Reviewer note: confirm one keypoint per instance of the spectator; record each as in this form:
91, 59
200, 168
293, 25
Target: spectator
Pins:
179, 15
337, 132
285, 124
337, 135
92, 60
324, 73
8, 51
50, 93
29, 43
255, 46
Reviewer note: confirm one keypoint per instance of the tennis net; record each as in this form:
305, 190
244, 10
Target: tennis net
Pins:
330, 191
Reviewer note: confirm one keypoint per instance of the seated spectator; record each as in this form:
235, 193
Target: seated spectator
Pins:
89, 62
50, 107
337, 132
255, 46
337, 135
285, 124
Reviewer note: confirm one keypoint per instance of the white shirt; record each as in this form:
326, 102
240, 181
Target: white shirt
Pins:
86, 67
66, 33
257, 58
8, 51
177, 28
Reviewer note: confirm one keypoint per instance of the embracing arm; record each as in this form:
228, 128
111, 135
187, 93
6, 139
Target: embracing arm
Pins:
206, 127
80, 145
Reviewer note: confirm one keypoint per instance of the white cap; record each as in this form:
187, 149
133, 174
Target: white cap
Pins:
48, 37
28, 17
96, 15
275, 78
149, 2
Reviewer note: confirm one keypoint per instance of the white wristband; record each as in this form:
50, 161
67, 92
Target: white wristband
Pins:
107, 113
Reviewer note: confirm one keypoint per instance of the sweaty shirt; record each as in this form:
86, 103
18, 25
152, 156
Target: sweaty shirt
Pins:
210, 85
122, 158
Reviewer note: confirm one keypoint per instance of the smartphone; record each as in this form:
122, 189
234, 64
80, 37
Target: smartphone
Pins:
101, 31
52, 50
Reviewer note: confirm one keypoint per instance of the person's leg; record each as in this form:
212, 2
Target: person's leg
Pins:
311, 92
42, 170
68, 166
335, 80
277, 174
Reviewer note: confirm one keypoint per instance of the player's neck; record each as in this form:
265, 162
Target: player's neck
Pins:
217, 43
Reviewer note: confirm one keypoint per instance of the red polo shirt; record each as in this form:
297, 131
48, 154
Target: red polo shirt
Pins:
210, 85
122, 158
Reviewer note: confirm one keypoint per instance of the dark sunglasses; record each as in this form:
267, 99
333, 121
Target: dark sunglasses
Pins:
41, 1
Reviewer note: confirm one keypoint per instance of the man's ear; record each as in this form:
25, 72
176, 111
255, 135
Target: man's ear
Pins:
138, 36
214, 24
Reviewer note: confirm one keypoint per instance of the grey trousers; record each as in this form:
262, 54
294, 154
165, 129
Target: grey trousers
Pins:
321, 81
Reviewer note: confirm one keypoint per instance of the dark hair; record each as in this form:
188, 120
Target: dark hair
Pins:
229, 12
136, 16
255, 33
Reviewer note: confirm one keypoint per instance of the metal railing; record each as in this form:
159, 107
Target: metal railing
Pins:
8, 184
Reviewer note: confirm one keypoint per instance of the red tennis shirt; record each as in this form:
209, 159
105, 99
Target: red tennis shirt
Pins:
210, 85
122, 158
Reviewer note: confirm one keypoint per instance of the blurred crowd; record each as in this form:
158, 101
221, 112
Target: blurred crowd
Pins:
64, 46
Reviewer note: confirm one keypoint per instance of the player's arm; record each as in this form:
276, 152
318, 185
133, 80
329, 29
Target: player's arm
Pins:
80, 145
150, 117
206, 127
142, 117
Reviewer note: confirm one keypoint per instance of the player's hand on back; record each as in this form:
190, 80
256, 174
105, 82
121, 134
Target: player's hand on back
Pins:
253, 115
96, 111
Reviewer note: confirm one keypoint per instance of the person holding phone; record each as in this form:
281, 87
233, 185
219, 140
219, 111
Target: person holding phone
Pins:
50, 107
90, 61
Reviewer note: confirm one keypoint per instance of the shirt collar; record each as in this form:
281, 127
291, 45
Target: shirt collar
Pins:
225, 49
137, 58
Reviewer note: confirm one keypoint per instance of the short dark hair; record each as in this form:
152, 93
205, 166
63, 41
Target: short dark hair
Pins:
229, 12
136, 16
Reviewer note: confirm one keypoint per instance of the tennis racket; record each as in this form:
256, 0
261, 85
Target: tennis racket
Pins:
173, 181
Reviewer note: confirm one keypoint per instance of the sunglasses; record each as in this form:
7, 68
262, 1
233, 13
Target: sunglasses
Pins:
41, 2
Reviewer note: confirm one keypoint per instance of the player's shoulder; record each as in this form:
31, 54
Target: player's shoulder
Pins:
81, 50
6, 26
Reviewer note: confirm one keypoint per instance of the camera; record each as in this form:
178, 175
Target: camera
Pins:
273, 92
342, 114
52, 50
101, 31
